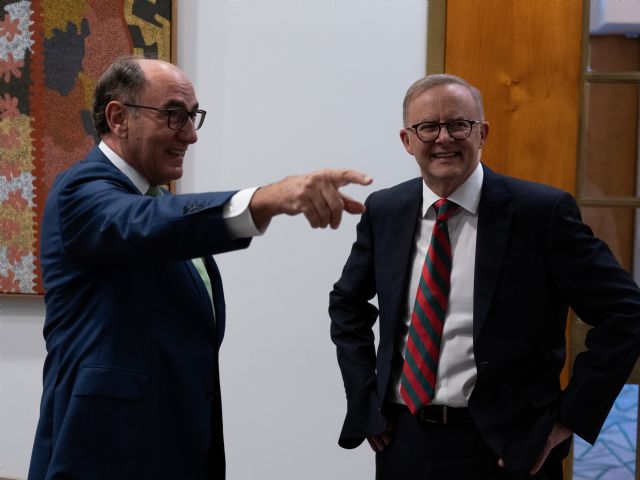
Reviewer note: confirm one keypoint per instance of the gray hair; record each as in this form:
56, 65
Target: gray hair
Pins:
435, 80
123, 80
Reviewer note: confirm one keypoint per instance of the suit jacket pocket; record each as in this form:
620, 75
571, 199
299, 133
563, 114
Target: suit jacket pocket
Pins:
110, 382
106, 430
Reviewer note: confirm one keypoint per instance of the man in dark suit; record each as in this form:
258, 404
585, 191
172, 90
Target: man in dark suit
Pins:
489, 405
135, 311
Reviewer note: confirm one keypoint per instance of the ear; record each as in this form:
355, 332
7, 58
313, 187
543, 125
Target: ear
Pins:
117, 116
484, 133
406, 140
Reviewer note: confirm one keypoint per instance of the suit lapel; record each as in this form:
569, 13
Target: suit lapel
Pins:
218, 295
494, 223
202, 293
97, 155
405, 214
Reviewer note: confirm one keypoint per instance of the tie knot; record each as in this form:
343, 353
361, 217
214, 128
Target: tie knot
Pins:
445, 209
153, 191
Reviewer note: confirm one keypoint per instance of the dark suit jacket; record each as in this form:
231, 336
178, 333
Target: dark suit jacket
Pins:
534, 259
131, 383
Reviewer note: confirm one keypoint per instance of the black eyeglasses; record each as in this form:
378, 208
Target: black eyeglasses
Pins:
458, 129
177, 117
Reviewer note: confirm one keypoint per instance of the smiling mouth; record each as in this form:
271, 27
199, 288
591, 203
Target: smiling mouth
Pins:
444, 155
177, 153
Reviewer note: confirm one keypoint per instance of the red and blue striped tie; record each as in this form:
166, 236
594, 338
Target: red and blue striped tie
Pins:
420, 368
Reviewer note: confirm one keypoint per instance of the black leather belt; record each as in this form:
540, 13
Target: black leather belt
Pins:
445, 415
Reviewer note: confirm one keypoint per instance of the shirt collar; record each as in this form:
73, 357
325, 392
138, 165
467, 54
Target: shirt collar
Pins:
131, 173
466, 195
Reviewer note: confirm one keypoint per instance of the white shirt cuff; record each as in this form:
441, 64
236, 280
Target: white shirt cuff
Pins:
238, 217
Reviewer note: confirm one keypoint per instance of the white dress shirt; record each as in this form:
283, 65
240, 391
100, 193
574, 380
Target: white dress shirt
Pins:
456, 367
236, 211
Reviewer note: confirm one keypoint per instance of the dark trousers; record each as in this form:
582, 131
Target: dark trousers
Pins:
430, 451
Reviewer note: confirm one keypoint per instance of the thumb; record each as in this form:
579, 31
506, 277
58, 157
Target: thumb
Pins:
351, 205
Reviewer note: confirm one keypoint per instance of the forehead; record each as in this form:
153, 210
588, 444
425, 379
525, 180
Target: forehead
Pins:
167, 85
442, 102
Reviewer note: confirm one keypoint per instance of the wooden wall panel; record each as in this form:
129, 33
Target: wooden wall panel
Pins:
611, 132
525, 57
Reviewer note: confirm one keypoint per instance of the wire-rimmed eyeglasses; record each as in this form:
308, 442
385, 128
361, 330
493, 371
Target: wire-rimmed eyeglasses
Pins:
177, 117
458, 129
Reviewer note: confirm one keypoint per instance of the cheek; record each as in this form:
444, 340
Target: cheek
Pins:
421, 150
472, 149
417, 147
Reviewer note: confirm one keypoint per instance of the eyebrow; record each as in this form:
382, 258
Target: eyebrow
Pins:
179, 104
438, 121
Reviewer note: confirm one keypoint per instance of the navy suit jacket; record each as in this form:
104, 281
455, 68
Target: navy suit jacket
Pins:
131, 382
534, 259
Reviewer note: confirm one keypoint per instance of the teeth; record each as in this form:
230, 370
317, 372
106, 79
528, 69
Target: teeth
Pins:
444, 155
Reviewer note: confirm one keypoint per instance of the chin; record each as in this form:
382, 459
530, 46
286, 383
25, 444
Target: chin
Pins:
175, 174
445, 171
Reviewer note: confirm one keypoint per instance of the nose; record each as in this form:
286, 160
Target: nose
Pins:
443, 135
188, 132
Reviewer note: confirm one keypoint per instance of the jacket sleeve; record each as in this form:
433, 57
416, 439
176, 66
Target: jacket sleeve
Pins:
603, 295
352, 318
100, 220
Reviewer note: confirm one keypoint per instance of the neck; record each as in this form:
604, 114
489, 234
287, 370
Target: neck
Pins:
113, 144
443, 188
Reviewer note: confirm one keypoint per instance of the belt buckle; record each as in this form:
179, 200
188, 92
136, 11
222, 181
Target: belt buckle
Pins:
443, 419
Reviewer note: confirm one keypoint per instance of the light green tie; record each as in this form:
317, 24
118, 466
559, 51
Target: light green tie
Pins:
202, 270
155, 191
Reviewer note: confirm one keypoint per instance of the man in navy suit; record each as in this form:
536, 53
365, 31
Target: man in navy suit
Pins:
521, 256
135, 310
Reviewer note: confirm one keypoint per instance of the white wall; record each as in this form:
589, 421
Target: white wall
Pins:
290, 86
21, 357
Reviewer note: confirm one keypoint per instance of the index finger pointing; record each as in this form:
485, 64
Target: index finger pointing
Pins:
344, 177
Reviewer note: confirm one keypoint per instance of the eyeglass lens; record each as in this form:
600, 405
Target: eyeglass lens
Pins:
178, 118
458, 130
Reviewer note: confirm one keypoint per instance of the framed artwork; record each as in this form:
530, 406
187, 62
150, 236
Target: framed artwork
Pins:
51, 54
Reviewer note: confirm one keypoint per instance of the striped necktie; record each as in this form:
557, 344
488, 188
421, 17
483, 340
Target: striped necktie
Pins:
419, 372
